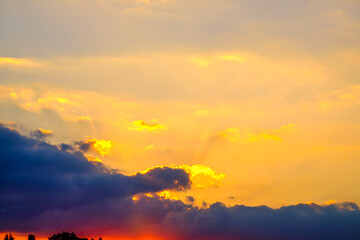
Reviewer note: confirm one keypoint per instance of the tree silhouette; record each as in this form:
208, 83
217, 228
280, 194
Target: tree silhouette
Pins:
9, 237
31, 237
58, 236
66, 236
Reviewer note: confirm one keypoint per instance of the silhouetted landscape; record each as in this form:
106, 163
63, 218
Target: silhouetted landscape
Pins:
57, 236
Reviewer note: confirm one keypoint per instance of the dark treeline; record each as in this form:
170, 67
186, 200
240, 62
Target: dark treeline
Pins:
58, 236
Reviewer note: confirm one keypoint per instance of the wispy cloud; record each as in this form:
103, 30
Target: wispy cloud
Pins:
18, 62
141, 126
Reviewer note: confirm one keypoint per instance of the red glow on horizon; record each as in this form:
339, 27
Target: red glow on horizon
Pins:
135, 238
23, 236
140, 237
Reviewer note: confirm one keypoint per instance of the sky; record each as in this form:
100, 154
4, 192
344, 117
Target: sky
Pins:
176, 119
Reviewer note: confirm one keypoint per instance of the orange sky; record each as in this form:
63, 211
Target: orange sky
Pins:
257, 100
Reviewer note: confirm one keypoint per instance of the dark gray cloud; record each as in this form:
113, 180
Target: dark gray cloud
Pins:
177, 221
297, 222
45, 189
190, 199
36, 177
40, 134
84, 146
66, 147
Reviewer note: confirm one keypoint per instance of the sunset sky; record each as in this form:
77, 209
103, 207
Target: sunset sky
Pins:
171, 113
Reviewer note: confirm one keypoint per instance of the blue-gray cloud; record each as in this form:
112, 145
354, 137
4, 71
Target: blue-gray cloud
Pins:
177, 220
45, 188
297, 222
37, 177
40, 134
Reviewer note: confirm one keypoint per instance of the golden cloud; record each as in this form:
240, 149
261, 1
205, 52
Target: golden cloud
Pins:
101, 147
140, 125
92, 158
18, 62
200, 175
30, 100
45, 132
150, 2
340, 98
83, 118
232, 58
235, 134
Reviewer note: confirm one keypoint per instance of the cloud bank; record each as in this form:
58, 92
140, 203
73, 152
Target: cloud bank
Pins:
44, 188
37, 177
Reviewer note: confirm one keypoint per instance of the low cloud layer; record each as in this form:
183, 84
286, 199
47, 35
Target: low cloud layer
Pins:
36, 177
45, 189
302, 221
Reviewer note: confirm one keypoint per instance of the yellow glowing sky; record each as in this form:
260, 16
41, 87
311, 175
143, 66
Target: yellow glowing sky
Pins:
261, 98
